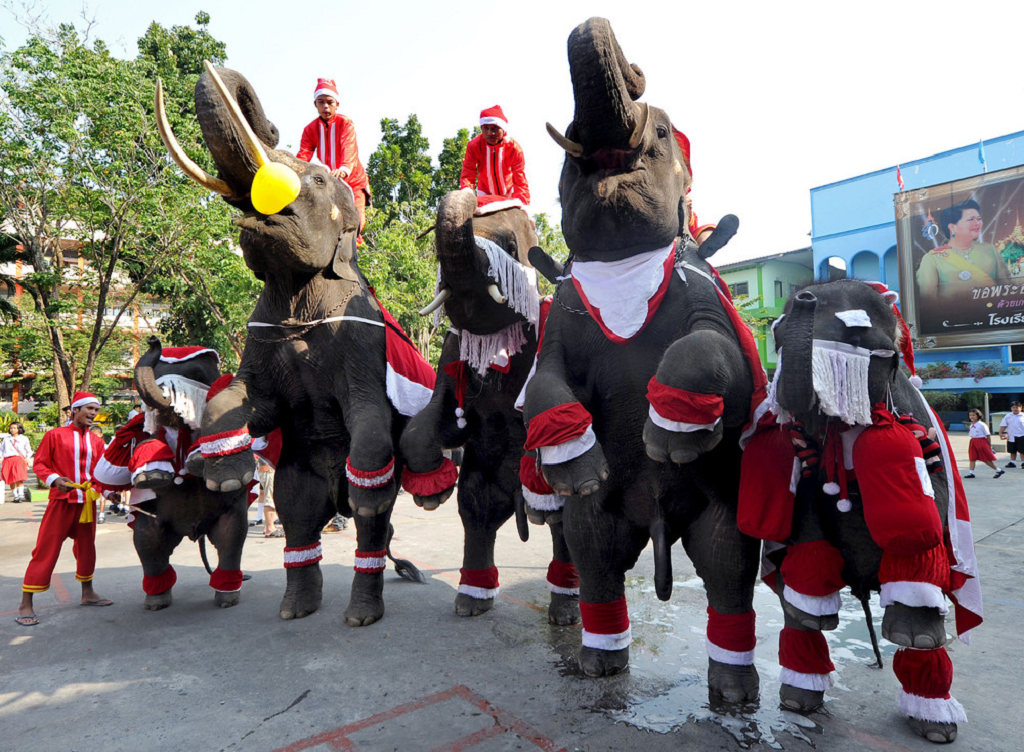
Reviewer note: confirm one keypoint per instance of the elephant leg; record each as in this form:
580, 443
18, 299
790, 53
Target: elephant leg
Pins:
483, 507
920, 627
366, 602
806, 668
603, 547
727, 561
912, 597
563, 581
228, 536
304, 500
154, 543
926, 677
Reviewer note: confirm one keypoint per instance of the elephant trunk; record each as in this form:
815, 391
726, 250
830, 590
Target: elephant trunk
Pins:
463, 264
605, 86
796, 382
145, 377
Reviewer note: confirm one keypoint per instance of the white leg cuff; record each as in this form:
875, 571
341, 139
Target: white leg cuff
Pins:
914, 594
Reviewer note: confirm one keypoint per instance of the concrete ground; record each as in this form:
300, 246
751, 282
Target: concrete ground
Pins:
198, 678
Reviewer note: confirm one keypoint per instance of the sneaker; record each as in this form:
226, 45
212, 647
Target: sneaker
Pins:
969, 475
1011, 463
331, 528
998, 473
101, 519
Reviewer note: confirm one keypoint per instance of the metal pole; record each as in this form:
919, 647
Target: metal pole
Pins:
988, 422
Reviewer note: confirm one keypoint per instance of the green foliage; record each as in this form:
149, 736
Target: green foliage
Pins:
944, 401
7, 417
50, 416
400, 171
449, 168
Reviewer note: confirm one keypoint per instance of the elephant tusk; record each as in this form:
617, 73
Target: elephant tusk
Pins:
572, 148
427, 231
495, 293
641, 126
190, 168
256, 149
437, 301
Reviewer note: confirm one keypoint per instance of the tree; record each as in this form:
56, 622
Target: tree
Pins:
400, 171
449, 168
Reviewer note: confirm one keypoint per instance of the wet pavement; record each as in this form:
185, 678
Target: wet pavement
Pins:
195, 677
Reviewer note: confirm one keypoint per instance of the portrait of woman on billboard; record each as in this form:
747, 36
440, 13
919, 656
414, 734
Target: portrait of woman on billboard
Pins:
962, 246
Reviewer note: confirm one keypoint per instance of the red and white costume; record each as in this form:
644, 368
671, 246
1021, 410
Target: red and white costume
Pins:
980, 450
498, 171
15, 451
72, 453
334, 144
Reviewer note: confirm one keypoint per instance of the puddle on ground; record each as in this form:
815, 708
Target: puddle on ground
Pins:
666, 684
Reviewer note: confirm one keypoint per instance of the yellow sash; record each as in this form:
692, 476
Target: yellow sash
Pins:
91, 497
957, 260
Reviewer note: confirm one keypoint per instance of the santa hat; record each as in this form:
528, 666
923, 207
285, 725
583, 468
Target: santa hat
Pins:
494, 116
326, 87
81, 399
181, 354
684, 144
903, 339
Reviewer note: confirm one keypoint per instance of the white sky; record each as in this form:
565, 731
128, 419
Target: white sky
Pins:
776, 98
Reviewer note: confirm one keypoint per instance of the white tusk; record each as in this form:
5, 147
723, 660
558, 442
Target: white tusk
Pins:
641, 125
190, 168
494, 292
255, 147
572, 148
436, 302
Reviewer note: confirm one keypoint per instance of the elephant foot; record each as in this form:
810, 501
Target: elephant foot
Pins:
467, 605
153, 479
933, 731
919, 627
157, 602
303, 593
663, 445
366, 602
430, 503
369, 502
581, 476
733, 684
564, 610
800, 700
543, 516
227, 600
598, 663
807, 622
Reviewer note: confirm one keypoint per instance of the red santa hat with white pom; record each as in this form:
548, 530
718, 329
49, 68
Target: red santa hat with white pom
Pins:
81, 399
494, 116
326, 87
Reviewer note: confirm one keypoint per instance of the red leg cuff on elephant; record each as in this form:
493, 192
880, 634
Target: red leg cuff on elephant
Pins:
805, 651
558, 425
563, 578
148, 452
226, 580
481, 584
915, 580
731, 638
433, 482
161, 583
683, 406
302, 556
371, 562
369, 478
606, 625
925, 677
531, 478
813, 568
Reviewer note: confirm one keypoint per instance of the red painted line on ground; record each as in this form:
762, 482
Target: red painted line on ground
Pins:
874, 742
338, 739
63, 596
519, 602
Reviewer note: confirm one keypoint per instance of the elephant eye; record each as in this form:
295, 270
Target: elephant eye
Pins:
662, 131
319, 179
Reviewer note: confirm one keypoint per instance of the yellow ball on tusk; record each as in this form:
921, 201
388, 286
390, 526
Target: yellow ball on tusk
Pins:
274, 187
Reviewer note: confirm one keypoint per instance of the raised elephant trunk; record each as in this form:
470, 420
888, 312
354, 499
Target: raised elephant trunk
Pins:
463, 264
796, 382
605, 86
145, 377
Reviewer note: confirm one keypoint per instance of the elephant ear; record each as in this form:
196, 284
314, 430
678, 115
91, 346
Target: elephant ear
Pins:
344, 255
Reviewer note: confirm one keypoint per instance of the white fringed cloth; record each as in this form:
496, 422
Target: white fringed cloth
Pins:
187, 397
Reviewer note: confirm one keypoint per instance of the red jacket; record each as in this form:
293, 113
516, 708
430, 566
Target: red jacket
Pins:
68, 452
495, 170
335, 145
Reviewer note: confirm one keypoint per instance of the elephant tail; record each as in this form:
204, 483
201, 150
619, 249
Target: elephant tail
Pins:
202, 554
865, 601
405, 568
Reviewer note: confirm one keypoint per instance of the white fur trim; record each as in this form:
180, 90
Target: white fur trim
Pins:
543, 502
238, 442
112, 475
51, 478
167, 467
608, 641
370, 563
303, 556
481, 594
375, 482
913, 594
816, 605
733, 658
494, 121
563, 590
407, 396
922, 473
326, 92
812, 682
496, 206
934, 709
85, 401
677, 427
570, 450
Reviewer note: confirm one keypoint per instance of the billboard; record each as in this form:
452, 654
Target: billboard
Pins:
961, 254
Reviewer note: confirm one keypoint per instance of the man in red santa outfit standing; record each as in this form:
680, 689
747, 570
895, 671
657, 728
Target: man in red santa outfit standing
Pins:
65, 460
332, 137
494, 163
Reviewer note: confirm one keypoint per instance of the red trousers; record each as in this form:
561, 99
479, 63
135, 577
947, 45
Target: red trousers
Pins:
60, 521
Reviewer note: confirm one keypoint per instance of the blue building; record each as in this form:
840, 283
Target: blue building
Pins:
853, 231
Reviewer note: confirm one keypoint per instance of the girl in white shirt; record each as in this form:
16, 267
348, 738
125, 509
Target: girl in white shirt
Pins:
15, 451
980, 448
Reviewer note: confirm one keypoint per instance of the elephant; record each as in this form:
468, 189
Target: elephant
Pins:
849, 479
646, 375
316, 362
148, 455
484, 363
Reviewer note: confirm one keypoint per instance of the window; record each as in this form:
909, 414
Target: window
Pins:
1017, 353
740, 289
778, 289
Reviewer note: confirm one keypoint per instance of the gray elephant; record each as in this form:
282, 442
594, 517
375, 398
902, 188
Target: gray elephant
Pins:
148, 455
490, 295
316, 360
847, 482
644, 368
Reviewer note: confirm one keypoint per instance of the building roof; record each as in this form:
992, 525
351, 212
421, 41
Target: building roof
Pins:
799, 256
